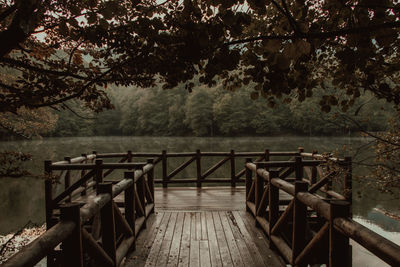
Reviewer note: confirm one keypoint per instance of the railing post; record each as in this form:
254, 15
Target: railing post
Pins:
140, 187
150, 180
95, 153
48, 189
300, 149
299, 221
164, 168
348, 183
266, 154
298, 168
108, 222
130, 204
314, 173
339, 247
249, 178
129, 156
67, 179
233, 168
99, 171
72, 252
198, 168
83, 173
258, 190
273, 201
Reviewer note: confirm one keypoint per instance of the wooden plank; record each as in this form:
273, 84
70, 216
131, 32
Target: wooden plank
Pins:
145, 241
194, 260
241, 244
204, 235
248, 239
197, 226
155, 249
205, 260
215, 256
176, 241
262, 244
184, 250
222, 242
162, 258
233, 248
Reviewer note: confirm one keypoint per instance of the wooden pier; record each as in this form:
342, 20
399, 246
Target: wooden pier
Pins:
269, 209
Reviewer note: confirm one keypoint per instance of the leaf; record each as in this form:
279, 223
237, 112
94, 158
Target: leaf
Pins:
272, 46
303, 47
254, 95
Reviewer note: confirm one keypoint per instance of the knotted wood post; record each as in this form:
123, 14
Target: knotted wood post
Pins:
233, 168
99, 171
108, 222
198, 168
273, 201
258, 190
72, 251
249, 181
348, 183
130, 204
67, 179
339, 247
150, 180
299, 221
298, 168
164, 168
83, 173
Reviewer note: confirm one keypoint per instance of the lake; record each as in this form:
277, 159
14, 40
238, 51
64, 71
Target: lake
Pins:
22, 199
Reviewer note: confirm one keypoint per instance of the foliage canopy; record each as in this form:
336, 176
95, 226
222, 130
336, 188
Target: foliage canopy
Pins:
56, 50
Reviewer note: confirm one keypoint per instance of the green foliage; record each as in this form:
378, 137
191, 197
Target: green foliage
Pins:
199, 113
214, 111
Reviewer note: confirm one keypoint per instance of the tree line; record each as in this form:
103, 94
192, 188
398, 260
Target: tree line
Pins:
217, 112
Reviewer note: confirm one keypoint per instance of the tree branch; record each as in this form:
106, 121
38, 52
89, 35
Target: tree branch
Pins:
319, 35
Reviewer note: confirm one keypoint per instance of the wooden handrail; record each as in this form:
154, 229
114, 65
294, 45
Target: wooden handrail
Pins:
32, 253
336, 218
89, 166
64, 230
383, 248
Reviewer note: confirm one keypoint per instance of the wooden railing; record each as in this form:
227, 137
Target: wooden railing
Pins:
305, 219
310, 222
200, 175
92, 224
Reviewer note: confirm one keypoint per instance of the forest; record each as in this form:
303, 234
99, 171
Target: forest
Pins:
213, 111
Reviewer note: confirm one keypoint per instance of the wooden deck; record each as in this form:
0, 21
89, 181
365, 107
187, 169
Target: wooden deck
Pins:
201, 227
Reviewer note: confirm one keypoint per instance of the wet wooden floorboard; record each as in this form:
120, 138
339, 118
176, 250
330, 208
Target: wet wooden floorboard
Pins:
201, 227
226, 238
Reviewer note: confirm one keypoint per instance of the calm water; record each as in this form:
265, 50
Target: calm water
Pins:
22, 199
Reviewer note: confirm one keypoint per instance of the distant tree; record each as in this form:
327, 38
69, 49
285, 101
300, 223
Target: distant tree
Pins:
199, 112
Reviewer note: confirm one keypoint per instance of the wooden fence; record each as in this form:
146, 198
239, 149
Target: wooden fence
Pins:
89, 224
302, 203
312, 224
